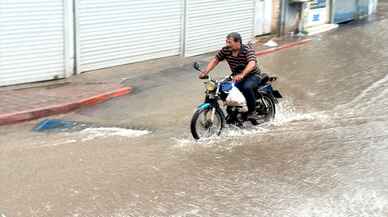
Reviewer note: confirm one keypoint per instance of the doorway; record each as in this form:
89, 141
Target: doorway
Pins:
263, 16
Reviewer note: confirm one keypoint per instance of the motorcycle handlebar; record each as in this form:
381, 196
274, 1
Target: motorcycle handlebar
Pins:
227, 78
197, 67
204, 77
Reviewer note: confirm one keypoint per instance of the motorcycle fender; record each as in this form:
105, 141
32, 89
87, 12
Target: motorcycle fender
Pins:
277, 94
204, 106
271, 96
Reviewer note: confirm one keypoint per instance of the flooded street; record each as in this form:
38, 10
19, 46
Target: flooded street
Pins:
325, 155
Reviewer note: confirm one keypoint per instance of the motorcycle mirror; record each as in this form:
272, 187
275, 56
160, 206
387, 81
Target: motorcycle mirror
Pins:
197, 66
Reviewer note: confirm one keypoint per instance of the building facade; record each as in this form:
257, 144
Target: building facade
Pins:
52, 39
313, 13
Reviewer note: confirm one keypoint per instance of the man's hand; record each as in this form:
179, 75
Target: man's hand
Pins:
251, 66
238, 77
202, 75
212, 64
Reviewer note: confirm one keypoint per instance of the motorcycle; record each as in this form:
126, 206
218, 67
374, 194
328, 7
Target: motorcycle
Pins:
211, 117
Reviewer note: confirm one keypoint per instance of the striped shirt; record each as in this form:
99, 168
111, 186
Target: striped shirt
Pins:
239, 62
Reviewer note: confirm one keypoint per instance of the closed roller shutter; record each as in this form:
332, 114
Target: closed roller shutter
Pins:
118, 32
31, 41
209, 21
344, 10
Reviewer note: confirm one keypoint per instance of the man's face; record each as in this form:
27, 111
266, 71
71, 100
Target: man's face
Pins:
232, 43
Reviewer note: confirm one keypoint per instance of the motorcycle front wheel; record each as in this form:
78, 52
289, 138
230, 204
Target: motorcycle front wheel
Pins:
202, 125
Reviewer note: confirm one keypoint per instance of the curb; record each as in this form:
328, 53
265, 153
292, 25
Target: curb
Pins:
28, 115
282, 47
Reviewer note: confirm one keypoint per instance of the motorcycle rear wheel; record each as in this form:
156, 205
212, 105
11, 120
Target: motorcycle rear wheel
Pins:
268, 110
202, 126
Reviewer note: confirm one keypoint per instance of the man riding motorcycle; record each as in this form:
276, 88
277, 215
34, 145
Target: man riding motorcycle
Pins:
243, 64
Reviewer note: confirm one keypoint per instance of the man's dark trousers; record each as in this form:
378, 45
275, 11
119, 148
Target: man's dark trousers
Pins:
248, 86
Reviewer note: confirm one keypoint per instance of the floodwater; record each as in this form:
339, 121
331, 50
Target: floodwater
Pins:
325, 155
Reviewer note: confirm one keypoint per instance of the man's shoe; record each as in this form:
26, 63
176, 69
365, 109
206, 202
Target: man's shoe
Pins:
253, 115
253, 118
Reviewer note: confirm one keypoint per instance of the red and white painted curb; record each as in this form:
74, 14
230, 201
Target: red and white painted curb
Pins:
12, 118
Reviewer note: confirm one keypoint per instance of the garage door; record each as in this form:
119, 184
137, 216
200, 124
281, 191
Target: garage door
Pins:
345, 10
32, 42
209, 21
118, 32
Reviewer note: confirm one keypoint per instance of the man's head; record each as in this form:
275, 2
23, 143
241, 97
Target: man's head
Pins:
234, 41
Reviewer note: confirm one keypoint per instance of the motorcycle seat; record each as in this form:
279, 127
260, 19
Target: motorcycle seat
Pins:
265, 78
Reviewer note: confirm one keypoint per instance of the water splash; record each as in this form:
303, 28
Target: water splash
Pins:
368, 93
103, 132
286, 114
89, 134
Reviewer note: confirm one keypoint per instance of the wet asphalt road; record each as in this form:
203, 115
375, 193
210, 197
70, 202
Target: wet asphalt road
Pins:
325, 155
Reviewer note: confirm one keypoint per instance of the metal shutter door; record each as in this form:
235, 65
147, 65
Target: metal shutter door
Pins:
209, 21
31, 40
344, 10
118, 32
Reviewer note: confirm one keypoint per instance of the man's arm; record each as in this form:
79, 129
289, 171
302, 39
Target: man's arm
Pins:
252, 62
212, 64
249, 68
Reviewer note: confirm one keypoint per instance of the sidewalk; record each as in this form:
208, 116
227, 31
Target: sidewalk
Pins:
55, 97
282, 43
32, 101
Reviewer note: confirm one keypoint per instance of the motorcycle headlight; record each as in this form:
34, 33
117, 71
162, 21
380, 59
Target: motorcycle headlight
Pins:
210, 86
